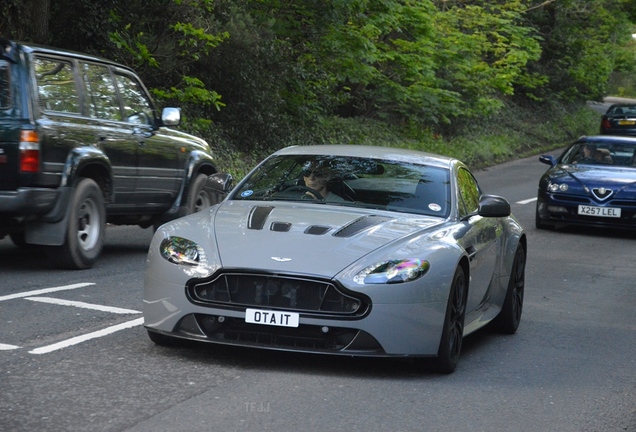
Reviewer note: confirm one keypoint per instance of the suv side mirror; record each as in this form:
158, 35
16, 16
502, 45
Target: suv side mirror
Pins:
493, 206
171, 116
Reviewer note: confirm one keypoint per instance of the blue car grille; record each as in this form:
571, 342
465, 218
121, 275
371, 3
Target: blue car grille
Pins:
276, 292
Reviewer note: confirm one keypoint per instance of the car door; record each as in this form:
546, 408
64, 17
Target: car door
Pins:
158, 175
110, 133
480, 239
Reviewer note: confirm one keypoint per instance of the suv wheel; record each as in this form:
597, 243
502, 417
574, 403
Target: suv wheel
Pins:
198, 198
85, 229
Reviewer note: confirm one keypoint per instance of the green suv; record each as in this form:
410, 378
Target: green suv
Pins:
82, 145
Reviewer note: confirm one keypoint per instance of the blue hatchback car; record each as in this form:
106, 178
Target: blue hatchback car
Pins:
592, 183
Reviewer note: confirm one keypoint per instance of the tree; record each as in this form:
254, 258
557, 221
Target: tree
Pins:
580, 38
25, 21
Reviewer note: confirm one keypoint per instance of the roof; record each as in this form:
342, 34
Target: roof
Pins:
10, 48
373, 152
615, 139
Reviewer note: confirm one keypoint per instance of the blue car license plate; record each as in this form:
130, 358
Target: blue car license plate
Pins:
613, 212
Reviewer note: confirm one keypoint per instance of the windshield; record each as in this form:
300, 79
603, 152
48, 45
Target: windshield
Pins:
601, 153
350, 181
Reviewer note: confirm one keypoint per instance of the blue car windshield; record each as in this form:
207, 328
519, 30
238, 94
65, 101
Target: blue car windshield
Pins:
350, 181
601, 153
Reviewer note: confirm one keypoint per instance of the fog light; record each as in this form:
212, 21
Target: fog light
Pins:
557, 209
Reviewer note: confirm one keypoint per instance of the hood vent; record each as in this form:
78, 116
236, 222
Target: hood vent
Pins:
258, 216
280, 226
317, 230
360, 224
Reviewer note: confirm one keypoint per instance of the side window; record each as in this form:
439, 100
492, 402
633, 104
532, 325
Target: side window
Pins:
137, 107
5, 86
101, 94
469, 193
57, 90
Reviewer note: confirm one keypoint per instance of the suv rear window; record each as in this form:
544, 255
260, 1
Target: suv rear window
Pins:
56, 85
5, 86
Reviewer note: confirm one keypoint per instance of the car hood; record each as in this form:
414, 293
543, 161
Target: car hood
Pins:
315, 239
591, 176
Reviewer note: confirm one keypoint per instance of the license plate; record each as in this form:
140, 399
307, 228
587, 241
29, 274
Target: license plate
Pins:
612, 212
626, 122
268, 317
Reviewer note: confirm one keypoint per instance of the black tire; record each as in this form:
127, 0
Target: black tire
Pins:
198, 198
18, 239
162, 340
508, 320
450, 345
85, 230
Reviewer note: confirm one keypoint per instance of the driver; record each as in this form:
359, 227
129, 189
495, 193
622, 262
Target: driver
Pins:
316, 176
588, 154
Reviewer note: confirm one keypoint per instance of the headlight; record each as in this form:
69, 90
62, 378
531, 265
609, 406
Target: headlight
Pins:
182, 251
557, 187
394, 271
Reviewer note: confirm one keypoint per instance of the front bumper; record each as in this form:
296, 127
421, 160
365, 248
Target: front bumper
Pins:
561, 209
387, 330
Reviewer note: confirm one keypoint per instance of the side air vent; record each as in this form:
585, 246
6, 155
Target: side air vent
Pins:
317, 230
360, 224
258, 216
280, 226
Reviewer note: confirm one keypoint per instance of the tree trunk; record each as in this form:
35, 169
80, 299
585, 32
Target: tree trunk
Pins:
40, 11
26, 20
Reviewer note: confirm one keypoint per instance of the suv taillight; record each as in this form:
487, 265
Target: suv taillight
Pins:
29, 151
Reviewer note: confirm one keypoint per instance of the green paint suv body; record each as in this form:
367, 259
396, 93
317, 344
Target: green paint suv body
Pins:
81, 145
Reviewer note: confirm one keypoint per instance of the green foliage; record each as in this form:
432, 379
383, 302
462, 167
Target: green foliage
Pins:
256, 75
188, 42
579, 47
483, 52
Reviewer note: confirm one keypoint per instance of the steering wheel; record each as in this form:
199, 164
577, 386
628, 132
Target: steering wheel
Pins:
308, 192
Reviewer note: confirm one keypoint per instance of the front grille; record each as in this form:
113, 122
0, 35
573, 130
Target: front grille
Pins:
571, 198
622, 203
277, 292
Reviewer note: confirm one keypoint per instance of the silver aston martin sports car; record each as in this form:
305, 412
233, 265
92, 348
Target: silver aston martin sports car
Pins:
350, 250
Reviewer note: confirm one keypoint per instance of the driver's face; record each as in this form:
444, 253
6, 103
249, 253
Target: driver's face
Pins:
315, 178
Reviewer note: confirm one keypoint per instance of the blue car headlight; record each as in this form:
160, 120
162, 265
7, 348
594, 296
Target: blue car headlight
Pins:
557, 187
178, 250
393, 271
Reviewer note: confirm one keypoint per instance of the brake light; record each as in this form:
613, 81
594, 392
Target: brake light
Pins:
29, 151
606, 123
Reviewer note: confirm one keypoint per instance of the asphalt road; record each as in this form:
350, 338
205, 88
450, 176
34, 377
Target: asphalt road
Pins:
74, 356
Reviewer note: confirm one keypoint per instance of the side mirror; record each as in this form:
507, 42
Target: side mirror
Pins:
548, 160
171, 116
493, 206
218, 185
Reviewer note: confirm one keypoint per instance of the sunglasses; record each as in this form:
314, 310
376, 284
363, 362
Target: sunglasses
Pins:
316, 173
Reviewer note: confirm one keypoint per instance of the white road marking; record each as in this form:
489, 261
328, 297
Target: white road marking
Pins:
527, 201
45, 291
7, 347
83, 338
82, 305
